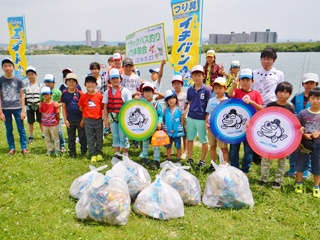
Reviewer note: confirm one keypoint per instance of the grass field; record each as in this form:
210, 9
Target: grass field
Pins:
35, 204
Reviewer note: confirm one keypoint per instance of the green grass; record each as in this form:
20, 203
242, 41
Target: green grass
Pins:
35, 204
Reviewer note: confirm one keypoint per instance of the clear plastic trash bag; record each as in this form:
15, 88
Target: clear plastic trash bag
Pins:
81, 184
136, 176
107, 200
227, 187
159, 200
184, 182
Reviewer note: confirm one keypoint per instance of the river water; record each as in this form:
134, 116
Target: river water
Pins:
294, 65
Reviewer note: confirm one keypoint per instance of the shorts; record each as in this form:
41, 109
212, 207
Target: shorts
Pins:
177, 142
195, 126
184, 125
31, 117
303, 159
214, 141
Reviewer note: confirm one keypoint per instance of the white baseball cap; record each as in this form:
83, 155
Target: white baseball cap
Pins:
46, 90
197, 68
148, 85
33, 69
310, 77
246, 73
114, 73
221, 81
177, 78
154, 70
235, 63
168, 94
49, 78
210, 53
116, 56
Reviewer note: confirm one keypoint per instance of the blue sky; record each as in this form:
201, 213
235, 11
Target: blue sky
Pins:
69, 19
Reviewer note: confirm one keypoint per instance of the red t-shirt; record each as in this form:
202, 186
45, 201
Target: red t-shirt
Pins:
49, 116
92, 105
252, 95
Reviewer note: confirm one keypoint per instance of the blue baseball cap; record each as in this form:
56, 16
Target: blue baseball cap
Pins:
246, 73
168, 94
114, 73
49, 78
46, 90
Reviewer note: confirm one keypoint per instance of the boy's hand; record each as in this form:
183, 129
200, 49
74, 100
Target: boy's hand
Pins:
301, 130
107, 124
247, 124
315, 135
159, 126
57, 104
66, 122
23, 115
82, 123
2, 117
307, 136
163, 62
235, 82
207, 126
137, 96
247, 101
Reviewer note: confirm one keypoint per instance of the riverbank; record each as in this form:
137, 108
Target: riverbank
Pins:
236, 48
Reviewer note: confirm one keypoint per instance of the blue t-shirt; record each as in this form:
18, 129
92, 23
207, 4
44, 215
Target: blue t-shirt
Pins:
71, 100
198, 101
213, 102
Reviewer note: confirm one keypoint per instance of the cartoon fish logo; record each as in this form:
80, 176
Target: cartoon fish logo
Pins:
232, 119
272, 130
137, 118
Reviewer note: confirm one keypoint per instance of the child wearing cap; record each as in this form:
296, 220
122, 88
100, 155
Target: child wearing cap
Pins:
198, 96
12, 103
90, 104
49, 81
177, 84
234, 70
130, 80
248, 96
117, 63
102, 84
64, 86
211, 69
300, 102
283, 92
173, 120
113, 100
310, 122
50, 121
32, 98
156, 76
148, 93
219, 88
110, 63
72, 115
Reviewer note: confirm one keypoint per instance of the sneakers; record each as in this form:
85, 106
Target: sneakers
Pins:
11, 152
276, 185
316, 192
145, 161
210, 169
57, 153
99, 158
292, 172
42, 136
201, 164
262, 183
169, 159
62, 149
190, 161
156, 165
93, 158
24, 152
298, 188
183, 156
306, 175
30, 140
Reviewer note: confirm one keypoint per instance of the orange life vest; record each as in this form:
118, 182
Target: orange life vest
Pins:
115, 101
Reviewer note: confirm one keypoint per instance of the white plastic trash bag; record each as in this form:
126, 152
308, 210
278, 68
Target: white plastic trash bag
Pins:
184, 182
136, 176
159, 200
81, 184
107, 200
227, 187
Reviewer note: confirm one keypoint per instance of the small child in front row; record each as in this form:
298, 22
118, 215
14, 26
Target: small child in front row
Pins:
283, 92
177, 84
310, 121
91, 105
50, 121
248, 96
113, 100
173, 120
219, 88
72, 115
148, 93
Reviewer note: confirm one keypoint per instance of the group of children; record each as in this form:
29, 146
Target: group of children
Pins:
185, 116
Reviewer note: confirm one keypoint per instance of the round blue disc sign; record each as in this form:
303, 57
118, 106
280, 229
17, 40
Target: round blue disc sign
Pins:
228, 120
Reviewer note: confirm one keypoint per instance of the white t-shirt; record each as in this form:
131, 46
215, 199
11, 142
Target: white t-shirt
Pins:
131, 82
98, 88
157, 85
182, 100
266, 83
212, 103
